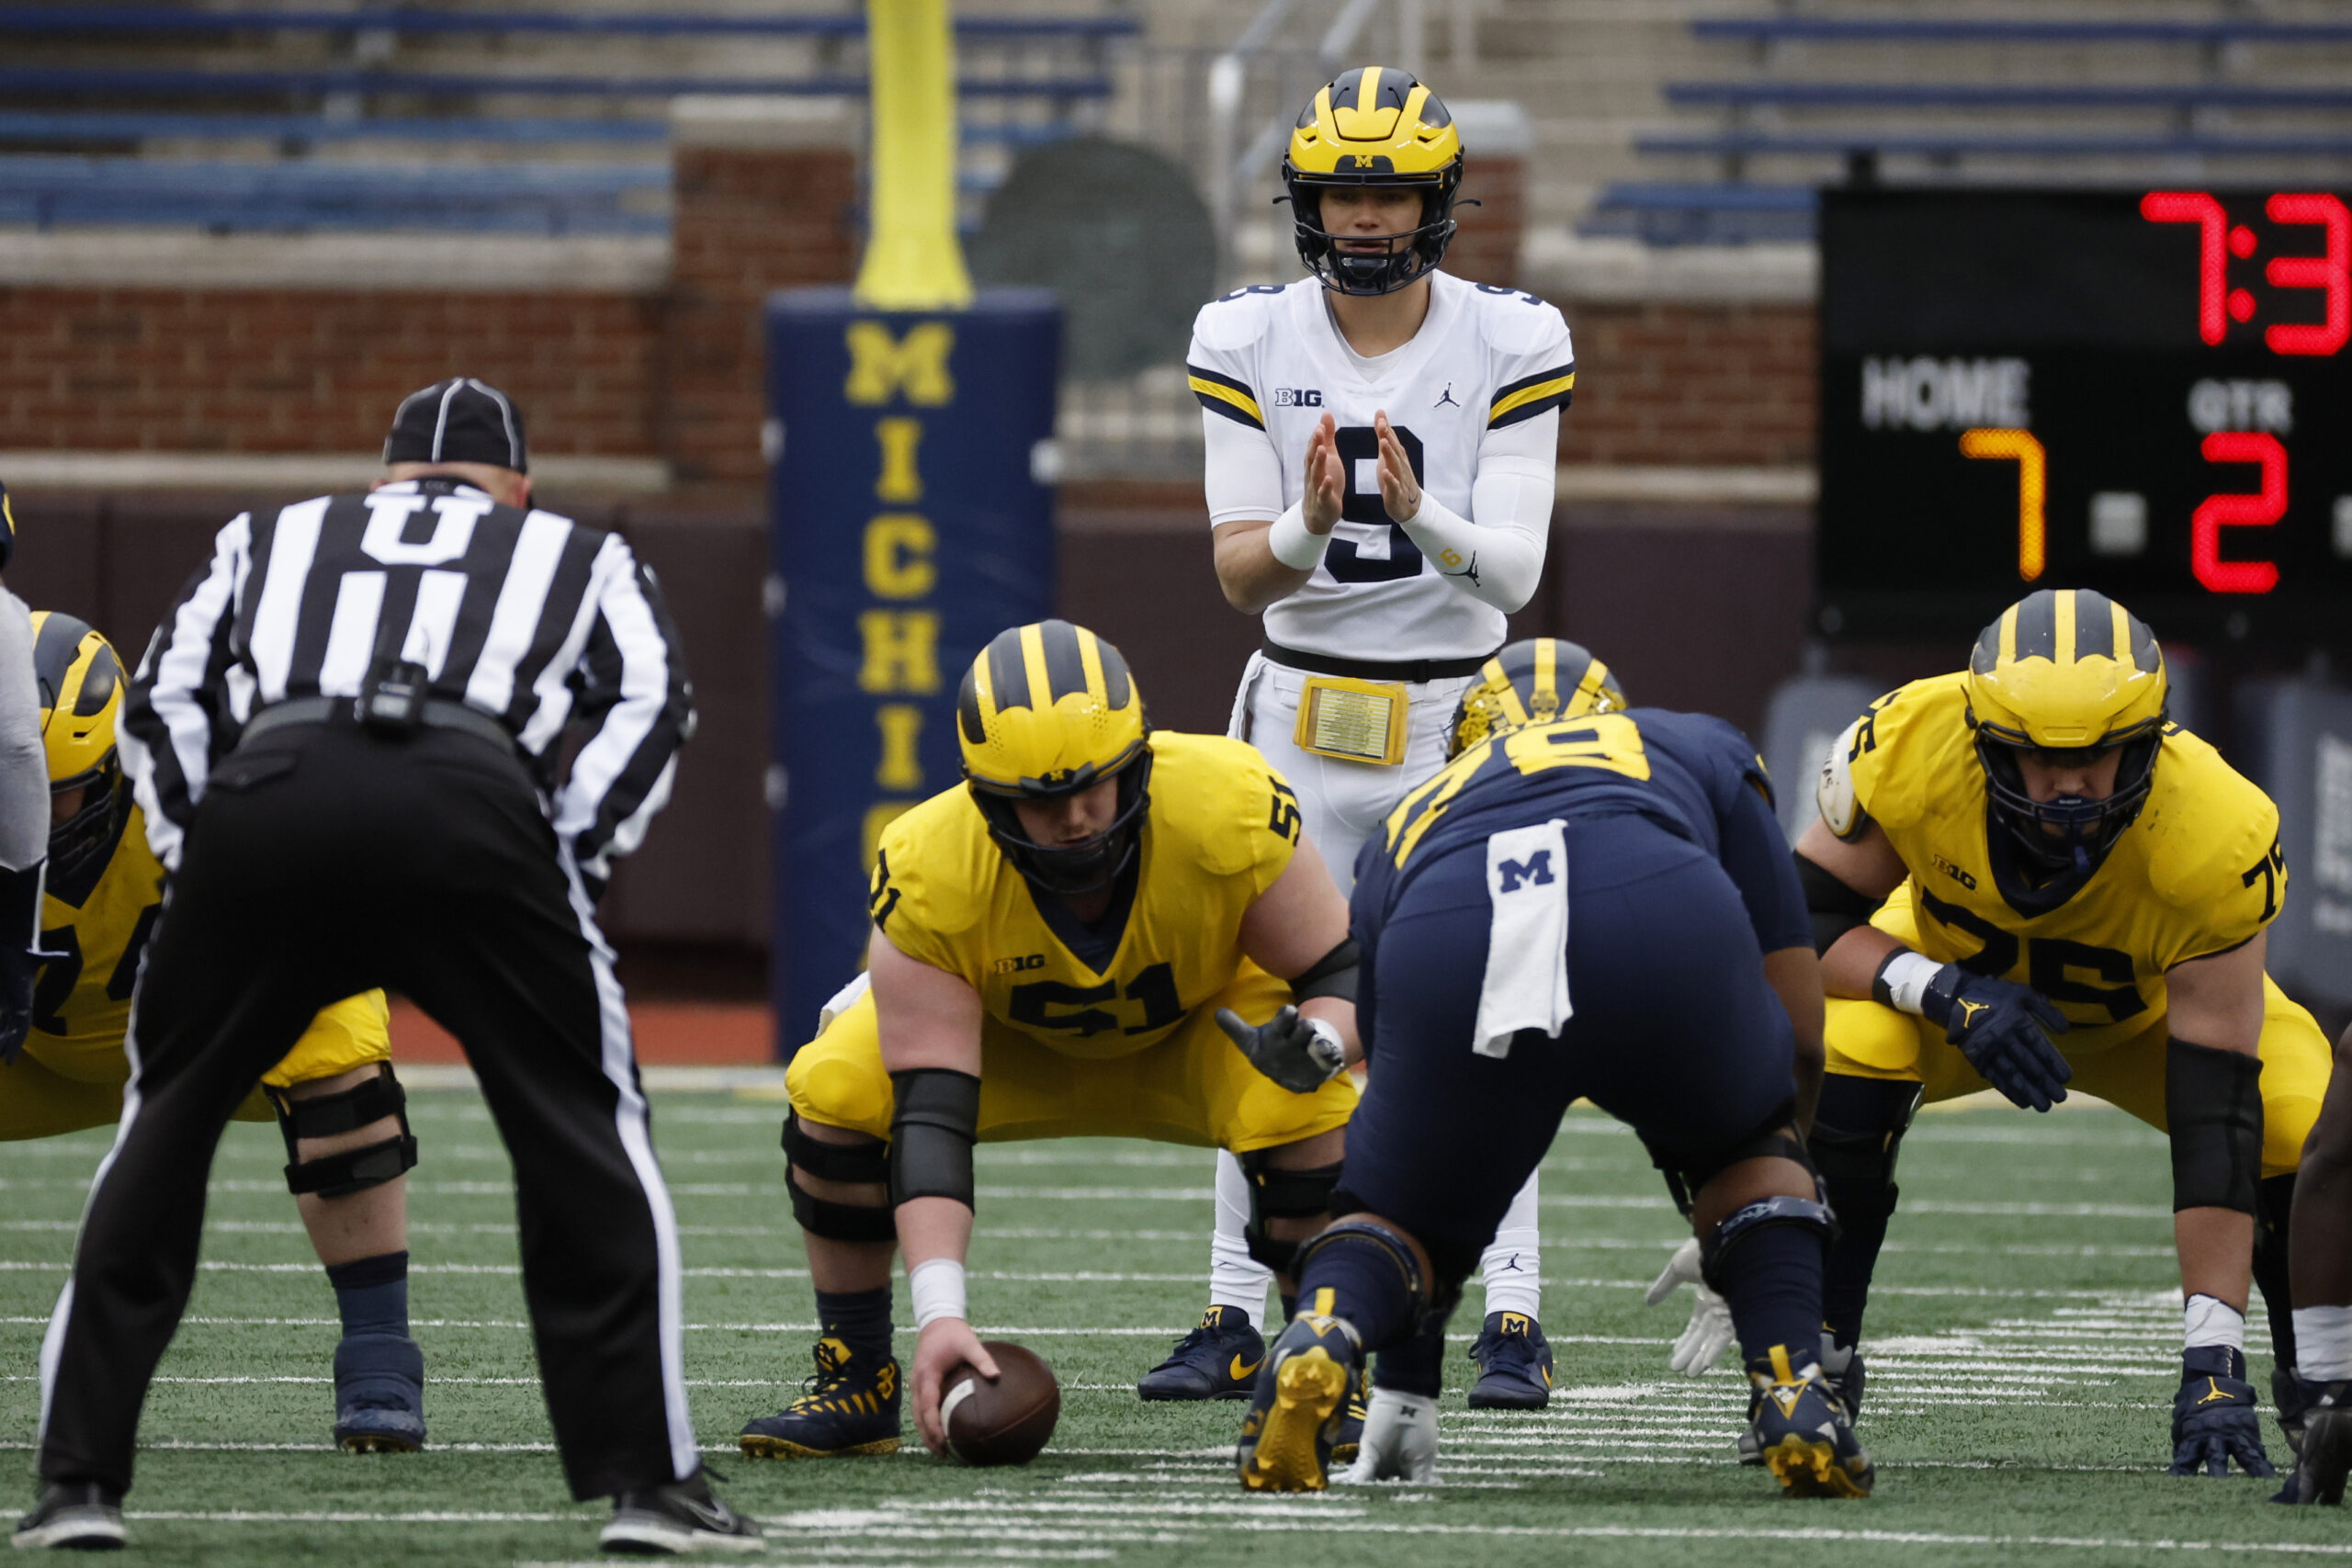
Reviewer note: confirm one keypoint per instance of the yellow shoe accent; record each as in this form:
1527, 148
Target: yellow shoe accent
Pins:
1308, 1388
374, 1443
1808, 1469
756, 1447
1236, 1371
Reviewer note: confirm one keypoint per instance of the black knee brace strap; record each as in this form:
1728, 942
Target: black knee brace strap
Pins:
2213, 1105
1744, 1223
331, 1115
1775, 1138
1279, 1194
937, 1122
842, 1222
866, 1160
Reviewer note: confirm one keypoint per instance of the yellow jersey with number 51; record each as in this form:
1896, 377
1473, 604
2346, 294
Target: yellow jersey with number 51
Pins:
1221, 826
2198, 872
98, 926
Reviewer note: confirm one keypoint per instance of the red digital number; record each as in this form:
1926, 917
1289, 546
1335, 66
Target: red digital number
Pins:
2331, 271
2238, 510
2212, 260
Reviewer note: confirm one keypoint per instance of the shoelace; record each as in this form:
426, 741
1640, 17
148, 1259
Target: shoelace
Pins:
1190, 1343
820, 1390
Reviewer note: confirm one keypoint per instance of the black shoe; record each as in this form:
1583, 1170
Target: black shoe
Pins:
1218, 1360
2324, 1456
684, 1515
850, 1406
1514, 1364
77, 1515
378, 1395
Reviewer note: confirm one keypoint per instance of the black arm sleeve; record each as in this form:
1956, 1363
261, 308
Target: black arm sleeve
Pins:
1834, 908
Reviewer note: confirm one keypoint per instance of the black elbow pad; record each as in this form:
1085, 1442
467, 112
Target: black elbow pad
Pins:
932, 1133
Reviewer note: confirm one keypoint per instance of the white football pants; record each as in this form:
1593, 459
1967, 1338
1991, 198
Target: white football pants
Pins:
1341, 805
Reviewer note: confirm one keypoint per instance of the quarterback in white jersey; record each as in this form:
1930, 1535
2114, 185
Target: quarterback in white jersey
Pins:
1381, 444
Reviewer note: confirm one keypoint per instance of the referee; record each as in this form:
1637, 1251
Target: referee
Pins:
343, 737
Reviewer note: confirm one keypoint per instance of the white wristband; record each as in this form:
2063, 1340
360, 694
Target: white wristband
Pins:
1906, 975
1293, 544
937, 1286
2208, 1320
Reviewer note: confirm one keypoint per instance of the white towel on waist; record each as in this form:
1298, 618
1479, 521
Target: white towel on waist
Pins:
1527, 942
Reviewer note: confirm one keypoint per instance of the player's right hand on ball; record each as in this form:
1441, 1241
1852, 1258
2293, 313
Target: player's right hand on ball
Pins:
2003, 1030
946, 1344
1709, 1333
1291, 1050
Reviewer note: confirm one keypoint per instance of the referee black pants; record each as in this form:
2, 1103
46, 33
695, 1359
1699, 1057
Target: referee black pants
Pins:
325, 861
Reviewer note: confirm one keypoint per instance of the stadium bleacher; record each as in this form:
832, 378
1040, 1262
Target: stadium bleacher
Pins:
495, 120
1972, 96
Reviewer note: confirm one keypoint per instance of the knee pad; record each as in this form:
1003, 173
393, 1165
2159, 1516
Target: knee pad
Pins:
1855, 1154
863, 1162
1279, 1194
1398, 1250
346, 1110
1805, 1211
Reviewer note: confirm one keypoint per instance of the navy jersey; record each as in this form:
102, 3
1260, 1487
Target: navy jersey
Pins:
1693, 774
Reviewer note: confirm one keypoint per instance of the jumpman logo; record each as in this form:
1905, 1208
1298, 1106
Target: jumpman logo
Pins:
1445, 398
1513, 1267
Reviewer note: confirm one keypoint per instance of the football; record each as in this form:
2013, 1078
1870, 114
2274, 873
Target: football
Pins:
1007, 1421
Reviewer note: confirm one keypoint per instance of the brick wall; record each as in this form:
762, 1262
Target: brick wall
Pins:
1692, 384
306, 370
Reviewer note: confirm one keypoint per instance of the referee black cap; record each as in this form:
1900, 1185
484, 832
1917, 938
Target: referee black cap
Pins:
462, 419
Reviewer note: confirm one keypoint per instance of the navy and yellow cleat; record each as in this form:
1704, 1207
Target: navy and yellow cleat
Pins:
2323, 1456
1802, 1431
848, 1407
1218, 1360
1514, 1364
1842, 1372
1312, 1374
378, 1395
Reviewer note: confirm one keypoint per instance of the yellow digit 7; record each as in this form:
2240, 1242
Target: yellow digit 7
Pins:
1609, 741
2032, 471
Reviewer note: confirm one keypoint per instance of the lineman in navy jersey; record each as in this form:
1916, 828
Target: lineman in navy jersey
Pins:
1381, 443
1588, 902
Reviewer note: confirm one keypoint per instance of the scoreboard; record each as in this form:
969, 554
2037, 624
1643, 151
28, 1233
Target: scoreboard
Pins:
2148, 392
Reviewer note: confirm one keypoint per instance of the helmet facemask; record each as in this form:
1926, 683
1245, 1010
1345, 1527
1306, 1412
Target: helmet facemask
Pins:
1089, 865
84, 836
1402, 260
2069, 832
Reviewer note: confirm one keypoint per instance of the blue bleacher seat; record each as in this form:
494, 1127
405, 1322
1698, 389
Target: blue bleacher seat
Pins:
152, 20
1698, 214
2032, 31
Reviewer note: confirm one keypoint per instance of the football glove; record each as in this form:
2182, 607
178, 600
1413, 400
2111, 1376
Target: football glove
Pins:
2214, 1416
1400, 1440
2003, 1030
1300, 1054
1709, 1333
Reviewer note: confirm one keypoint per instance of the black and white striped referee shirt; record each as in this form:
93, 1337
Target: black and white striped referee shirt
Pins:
526, 616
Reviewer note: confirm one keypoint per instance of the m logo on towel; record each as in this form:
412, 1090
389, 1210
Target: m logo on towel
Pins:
1535, 869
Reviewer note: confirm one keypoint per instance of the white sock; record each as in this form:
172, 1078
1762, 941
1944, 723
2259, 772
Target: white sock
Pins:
1513, 1265
2323, 1343
2207, 1321
1235, 1279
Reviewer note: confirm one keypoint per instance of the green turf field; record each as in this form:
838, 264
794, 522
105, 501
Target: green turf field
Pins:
2025, 1335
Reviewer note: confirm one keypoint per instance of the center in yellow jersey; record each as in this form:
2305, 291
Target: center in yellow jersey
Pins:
1221, 827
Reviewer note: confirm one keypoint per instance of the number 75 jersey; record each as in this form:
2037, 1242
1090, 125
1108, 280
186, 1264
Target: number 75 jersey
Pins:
1485, 365
2199, 871
1220, 828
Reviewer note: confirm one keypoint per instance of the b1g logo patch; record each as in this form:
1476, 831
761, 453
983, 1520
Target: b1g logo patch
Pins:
1298, 397
1015, 965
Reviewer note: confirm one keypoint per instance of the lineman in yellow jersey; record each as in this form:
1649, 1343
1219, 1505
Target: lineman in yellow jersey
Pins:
1107, 932
334, 1096
2024, 876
